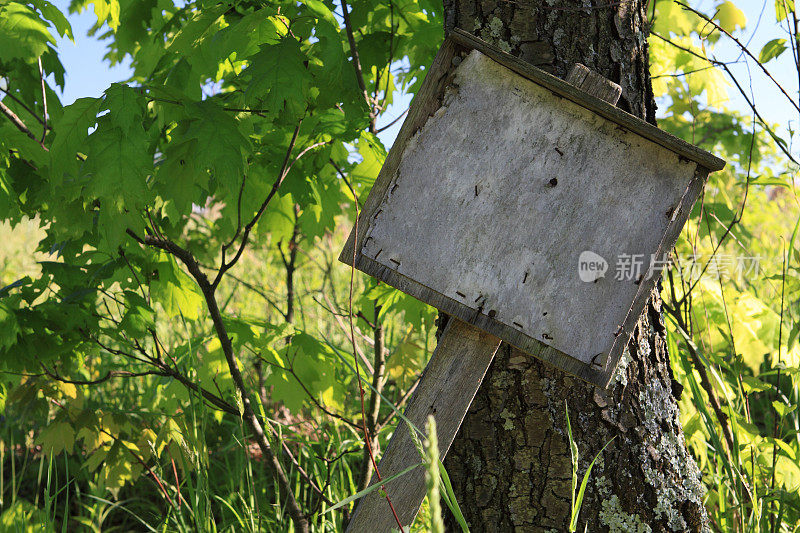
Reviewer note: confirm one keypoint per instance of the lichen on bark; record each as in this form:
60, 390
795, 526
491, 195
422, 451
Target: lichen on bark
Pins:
510, 463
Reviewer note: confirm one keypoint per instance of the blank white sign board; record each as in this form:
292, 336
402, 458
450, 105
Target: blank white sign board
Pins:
504, 197
500, 184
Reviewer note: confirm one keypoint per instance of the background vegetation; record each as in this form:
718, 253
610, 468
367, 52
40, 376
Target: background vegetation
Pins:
176, 344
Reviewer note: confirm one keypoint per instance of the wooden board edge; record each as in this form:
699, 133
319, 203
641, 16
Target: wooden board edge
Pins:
668, 240
592, 103
536, 348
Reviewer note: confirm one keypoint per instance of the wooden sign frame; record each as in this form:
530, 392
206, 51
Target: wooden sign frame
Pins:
425, 104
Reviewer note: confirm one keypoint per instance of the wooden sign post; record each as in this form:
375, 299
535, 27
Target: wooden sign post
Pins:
502, 201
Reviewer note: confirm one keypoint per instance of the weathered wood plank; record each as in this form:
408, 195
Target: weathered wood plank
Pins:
593, 83
445, 391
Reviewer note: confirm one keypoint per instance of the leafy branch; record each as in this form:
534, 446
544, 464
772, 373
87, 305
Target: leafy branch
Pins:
247, 412
245, 232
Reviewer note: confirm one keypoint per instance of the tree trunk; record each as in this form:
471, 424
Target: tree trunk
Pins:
510, 463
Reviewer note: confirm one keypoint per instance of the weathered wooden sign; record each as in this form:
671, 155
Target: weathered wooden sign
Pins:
506, 201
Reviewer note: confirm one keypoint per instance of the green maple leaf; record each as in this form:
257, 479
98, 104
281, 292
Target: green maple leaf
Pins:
71, 132
372, 152
115, 179
185, 41
57, 437
237, 41
730, 17
96, 459
119, 163
279, 218
23, 34
175, 290
321, 11
671, 18
119, 468
178, 178
9, 327
219, 145
105, 11
139, 319
278, 78
771, 50
318, 215
213, 373
55, 16
331, 66
13, 139
125, 106
313, 364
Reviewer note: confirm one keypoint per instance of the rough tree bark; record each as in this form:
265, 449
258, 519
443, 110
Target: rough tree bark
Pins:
510, 463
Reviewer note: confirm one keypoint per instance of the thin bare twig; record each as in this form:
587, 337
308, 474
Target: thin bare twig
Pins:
21, 104
286, 167
348, 26
224, 266
251, 287
374, 399
367, 440
19, 124
400, 403
44, 100
110, 374
392, 123
736, 219
342, 325
311, 396
776, 426
151, 98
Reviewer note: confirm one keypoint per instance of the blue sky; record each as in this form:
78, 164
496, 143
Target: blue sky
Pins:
88, 74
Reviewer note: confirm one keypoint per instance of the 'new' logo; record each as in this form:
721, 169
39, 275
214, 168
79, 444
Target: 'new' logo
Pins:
591, 266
